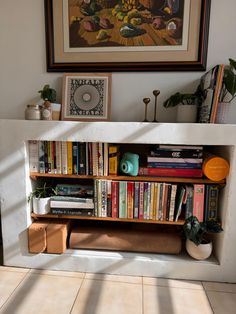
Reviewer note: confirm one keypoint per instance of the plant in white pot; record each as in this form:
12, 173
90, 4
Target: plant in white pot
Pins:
198, 245
187, 105
228, 94
40, 198
51, 110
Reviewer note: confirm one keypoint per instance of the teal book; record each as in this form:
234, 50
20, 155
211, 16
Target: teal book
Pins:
122, 199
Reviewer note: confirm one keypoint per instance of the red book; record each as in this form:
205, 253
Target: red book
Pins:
130, 199
114, 198
198, 201
170, 172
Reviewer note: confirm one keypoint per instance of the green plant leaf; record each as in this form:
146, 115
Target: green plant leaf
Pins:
232, 63
230, 82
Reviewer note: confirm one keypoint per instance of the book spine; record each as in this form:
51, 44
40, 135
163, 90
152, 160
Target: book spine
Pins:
109, 199
152, 195
95, 158
136, 200
122, 199
58, 157
164, 201
130, 200
212, 203
105, 159
189, 202
178, 147
168, 201
145, 200
113, 159
49, 147
160, 213
174, 160
100, 159
64, 157
170, 165
181, 195
54, 161
99, 198
168, 172
82, 158
33, 156
41, 157
198, 201
115, 198
74, 157
172, 202
69, 158
73, 212
95, 198
178, 153
141, 200
46, 156
104, 198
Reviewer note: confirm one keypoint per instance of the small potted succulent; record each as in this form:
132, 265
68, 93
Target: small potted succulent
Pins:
49, 96
198, 245
40, 198
187, 105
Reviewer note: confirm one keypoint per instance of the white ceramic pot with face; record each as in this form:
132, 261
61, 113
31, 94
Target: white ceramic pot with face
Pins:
199, 252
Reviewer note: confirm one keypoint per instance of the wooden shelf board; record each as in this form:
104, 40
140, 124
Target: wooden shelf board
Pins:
127, 178
178, 223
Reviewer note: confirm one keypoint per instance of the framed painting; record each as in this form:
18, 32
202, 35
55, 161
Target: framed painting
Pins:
126, 35
86, 96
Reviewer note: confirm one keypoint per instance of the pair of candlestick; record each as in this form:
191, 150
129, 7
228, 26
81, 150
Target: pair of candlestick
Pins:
147, 101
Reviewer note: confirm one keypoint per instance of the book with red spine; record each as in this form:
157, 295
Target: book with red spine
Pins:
198, 201
114, 199
168, 172
130, 199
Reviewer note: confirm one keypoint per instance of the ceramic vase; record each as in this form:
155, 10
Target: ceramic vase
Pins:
186, 113
199, 252
41, 206
224, 113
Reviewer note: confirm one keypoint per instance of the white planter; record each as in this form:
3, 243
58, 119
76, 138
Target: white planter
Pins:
199, 252
41, 206
187, 113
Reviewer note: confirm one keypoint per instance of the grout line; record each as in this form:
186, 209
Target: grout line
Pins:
207, 297
16, 288
142, 297
77, 294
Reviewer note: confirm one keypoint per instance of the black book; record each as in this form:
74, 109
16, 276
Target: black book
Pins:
72, 211
177, 153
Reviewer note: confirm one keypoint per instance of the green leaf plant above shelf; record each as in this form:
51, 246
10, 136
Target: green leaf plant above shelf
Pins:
198, 244
228, 92
48, 93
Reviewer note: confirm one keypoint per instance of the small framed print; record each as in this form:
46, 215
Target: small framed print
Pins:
86, 96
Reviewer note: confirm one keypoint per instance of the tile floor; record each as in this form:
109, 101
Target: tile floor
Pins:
36, 291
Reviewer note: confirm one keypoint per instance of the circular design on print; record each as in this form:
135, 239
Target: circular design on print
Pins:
86, 97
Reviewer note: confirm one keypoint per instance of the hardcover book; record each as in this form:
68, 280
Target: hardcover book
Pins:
33, 156
122, 199
211, 202
170, 172
73, 212
198, 201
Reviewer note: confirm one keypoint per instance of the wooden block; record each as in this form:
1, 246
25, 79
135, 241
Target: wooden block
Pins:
56, 236
37, 237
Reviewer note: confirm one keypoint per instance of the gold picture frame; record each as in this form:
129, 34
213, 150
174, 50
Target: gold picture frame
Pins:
79, 38
86, 97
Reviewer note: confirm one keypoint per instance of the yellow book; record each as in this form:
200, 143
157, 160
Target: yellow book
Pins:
113, 159
69, 158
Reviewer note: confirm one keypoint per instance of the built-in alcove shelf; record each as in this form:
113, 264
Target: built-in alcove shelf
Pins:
35, 175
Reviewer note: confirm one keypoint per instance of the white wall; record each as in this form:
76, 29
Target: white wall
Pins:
23, 63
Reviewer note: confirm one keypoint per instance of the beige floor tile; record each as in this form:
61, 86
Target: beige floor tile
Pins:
14, 269
173, 283
43, 294
222, 303
103, 297
58, 273
220, 287
165, 300
129, 279
9, 280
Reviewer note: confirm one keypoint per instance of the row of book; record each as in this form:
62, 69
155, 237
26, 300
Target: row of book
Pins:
155, 201
174, 160
78, 158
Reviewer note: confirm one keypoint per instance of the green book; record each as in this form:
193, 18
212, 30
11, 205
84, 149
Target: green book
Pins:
123, 199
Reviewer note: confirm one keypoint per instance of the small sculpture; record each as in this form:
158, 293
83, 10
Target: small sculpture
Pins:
146, 102
156, 93
129, 164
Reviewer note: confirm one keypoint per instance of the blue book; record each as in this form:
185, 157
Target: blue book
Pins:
177, 165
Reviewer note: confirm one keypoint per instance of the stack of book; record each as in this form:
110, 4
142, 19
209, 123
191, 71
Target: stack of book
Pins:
174, 161
73, 200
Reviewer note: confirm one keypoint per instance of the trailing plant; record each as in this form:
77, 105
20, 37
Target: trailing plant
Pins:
42, 192
48, 93
197, 231
229, 82
185, 99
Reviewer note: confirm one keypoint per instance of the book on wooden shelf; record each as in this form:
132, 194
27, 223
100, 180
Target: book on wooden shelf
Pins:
72, 211
71, 202
210, 85
176, 152
211, 202
179, 202
79, 190
33, 156
170, 172
189, 201
198, 201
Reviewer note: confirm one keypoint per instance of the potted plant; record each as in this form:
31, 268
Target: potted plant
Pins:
40, 198
228, 93
49, 106
187, 105
198, 245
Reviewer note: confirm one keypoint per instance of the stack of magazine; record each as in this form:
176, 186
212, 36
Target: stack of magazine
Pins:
73, 200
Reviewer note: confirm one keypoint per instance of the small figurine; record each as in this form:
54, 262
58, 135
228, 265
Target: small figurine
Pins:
155, 93
146, 102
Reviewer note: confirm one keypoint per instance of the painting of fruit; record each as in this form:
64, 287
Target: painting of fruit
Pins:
125, 23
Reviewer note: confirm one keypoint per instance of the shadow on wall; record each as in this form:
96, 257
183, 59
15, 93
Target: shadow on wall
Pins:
1, 250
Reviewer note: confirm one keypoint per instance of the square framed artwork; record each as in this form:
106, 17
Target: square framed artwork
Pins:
86, 96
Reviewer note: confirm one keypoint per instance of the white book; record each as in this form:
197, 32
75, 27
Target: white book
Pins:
172, 202
64, 204
33, 156
58, 158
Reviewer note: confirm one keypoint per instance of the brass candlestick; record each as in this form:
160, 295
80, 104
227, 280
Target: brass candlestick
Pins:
155, 93
146, 102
